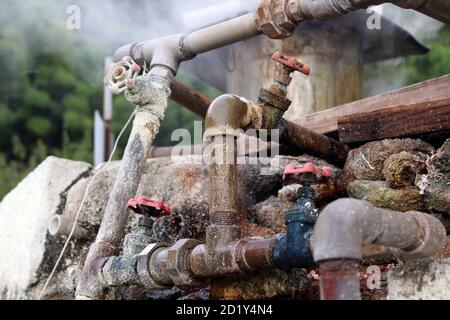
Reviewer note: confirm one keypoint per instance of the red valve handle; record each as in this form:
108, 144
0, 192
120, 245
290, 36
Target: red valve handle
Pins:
291, 63
309, 167
155, 209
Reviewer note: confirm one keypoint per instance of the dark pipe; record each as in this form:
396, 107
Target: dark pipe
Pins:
312, 142
292, 250
190, 99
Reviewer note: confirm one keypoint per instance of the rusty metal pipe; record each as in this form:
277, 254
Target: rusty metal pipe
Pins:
190, 99
247, 255
150, 95
346, 225
313, 142
226, 116
292, 134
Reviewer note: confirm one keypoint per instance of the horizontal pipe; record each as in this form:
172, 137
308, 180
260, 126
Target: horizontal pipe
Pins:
292, 134
330, 9
313, 142
190, 99
185, 47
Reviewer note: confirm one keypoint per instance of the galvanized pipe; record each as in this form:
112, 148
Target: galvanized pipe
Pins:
301, 10
346, 225
173, 50
150, 94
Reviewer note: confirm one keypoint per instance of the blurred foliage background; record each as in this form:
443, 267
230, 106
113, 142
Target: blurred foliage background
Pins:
51, 84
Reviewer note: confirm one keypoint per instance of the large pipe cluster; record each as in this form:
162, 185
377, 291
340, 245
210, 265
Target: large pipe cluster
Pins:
342, 228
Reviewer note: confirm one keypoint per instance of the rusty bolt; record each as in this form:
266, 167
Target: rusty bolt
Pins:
143, 267
177, 263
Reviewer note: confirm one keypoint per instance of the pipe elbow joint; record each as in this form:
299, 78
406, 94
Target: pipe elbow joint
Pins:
227, 115
340, 230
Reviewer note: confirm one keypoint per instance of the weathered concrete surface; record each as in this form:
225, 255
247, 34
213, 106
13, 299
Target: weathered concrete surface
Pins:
25, 214
420, 281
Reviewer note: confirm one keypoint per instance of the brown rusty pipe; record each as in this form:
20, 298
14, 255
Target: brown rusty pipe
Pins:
292, 135
247, 255
226, 118
313, 142
190, 99
345, 225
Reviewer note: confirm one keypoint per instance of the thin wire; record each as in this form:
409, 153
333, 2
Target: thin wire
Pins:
82, 204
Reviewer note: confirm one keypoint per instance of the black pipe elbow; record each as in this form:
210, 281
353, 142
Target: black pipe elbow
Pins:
292, 250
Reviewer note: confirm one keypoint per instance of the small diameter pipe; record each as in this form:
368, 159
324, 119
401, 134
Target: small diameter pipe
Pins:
346, 225
150, 95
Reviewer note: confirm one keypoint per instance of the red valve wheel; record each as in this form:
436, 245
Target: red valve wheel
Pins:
154, 209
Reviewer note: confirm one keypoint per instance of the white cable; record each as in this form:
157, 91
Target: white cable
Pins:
82, 204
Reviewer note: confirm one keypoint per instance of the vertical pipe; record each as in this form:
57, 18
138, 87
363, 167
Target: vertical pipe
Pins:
150, 95
339, 280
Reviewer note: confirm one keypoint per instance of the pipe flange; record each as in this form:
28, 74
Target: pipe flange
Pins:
177, 263
143, 266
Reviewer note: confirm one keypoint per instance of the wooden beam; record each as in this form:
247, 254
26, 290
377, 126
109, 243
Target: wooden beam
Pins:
395, 122
326, 122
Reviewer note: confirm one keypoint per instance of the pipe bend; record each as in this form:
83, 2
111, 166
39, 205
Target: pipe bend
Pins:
341, 229
227, 115
347, 224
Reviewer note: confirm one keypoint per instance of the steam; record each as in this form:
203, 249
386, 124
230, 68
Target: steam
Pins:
422, 27
419, 25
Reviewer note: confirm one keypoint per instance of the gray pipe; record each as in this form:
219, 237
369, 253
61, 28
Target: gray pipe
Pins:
173, 50
347, 224
328, 9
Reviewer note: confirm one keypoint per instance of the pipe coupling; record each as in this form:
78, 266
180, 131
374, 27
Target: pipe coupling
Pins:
178, 263
143, 265
273, 20
433, 238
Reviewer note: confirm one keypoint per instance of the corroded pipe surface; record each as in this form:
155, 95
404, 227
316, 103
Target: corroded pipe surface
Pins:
190, 99
313, 142
346, 225
150, 95
339, 280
